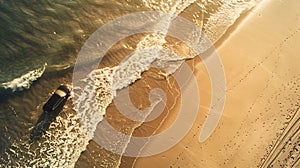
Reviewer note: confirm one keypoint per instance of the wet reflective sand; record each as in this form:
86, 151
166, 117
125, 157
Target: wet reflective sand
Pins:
260, 124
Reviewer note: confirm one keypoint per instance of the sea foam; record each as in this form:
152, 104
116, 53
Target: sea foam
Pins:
24, 81
68, 138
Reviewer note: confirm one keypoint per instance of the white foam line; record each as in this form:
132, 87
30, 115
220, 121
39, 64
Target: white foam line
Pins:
25, 80
160, 40
232, 10
120, 76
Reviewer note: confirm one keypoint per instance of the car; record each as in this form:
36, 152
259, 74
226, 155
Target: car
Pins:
51, 109
56, 102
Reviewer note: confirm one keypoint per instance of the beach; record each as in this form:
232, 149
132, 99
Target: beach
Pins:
163, 81
260, 57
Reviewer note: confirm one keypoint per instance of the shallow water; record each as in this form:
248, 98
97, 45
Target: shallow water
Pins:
50, 34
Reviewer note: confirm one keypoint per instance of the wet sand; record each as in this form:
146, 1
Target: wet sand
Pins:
63, 28
261, 60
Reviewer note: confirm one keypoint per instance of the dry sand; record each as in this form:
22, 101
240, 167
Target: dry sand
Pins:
261, 60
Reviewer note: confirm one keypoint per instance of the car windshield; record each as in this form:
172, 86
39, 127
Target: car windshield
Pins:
60, 93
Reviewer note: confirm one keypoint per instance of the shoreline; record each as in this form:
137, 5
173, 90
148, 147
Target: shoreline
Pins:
247, 127
129, 161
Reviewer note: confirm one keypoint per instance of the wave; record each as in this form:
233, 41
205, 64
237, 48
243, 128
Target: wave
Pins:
220, 22
127, 72
67, 138
24, 81
100, 86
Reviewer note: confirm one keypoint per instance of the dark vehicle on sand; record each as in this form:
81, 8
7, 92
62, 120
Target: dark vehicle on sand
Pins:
51, 110
57, 100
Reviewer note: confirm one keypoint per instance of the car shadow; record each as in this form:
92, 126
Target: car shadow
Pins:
44, 123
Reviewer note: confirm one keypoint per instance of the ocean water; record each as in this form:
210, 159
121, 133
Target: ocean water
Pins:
39, 44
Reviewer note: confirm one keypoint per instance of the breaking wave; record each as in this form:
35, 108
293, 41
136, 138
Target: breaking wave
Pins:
24, 81
130, 70
67, 138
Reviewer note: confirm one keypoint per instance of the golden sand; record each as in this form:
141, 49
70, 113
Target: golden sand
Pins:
261, 60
